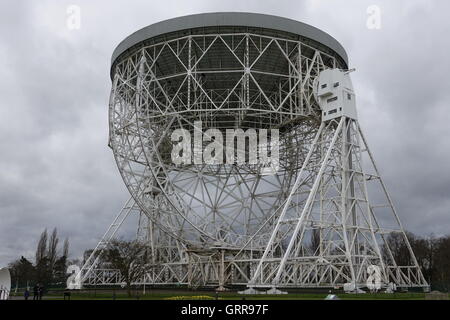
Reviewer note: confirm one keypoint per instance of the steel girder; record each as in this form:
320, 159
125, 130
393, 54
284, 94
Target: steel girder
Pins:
229, 225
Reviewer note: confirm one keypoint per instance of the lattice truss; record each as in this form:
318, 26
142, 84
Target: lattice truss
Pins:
309, 225
329, 206
226, 81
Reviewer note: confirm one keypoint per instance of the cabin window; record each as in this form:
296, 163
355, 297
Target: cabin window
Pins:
332, 111
332, 99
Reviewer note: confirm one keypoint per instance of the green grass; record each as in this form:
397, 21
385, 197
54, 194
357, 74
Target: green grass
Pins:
186, 294
195, 295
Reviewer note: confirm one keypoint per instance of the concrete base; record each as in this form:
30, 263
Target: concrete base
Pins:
221, 289
250, 291
275, 291
270, 291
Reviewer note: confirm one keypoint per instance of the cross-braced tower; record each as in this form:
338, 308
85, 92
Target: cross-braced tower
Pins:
329, 203
318, 221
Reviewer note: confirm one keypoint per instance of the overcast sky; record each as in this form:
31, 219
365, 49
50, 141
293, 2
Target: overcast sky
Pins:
57, 171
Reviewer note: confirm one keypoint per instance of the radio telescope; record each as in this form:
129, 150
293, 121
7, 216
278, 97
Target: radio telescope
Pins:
5, 283
321, 220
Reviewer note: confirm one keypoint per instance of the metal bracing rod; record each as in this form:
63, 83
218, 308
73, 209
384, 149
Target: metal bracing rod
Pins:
154, 92
369, 214
308, 202
344, 200
155, 175
92, 261
288, 201
268, 219
392, 205
170, 104
269, 38
111, 110
189, 72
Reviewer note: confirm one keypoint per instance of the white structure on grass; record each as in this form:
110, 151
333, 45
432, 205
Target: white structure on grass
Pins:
320, 221
5, 283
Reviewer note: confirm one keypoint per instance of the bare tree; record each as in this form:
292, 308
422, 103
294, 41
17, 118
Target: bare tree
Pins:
315, 240
65, 252
41, 247
130, 258
43, 270
22, 272
397, 246
52, 248
442, 264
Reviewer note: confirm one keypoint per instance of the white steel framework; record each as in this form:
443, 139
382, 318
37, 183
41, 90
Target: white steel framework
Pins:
312, 224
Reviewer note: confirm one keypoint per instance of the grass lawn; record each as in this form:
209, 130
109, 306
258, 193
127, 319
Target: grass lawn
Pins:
208, 295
